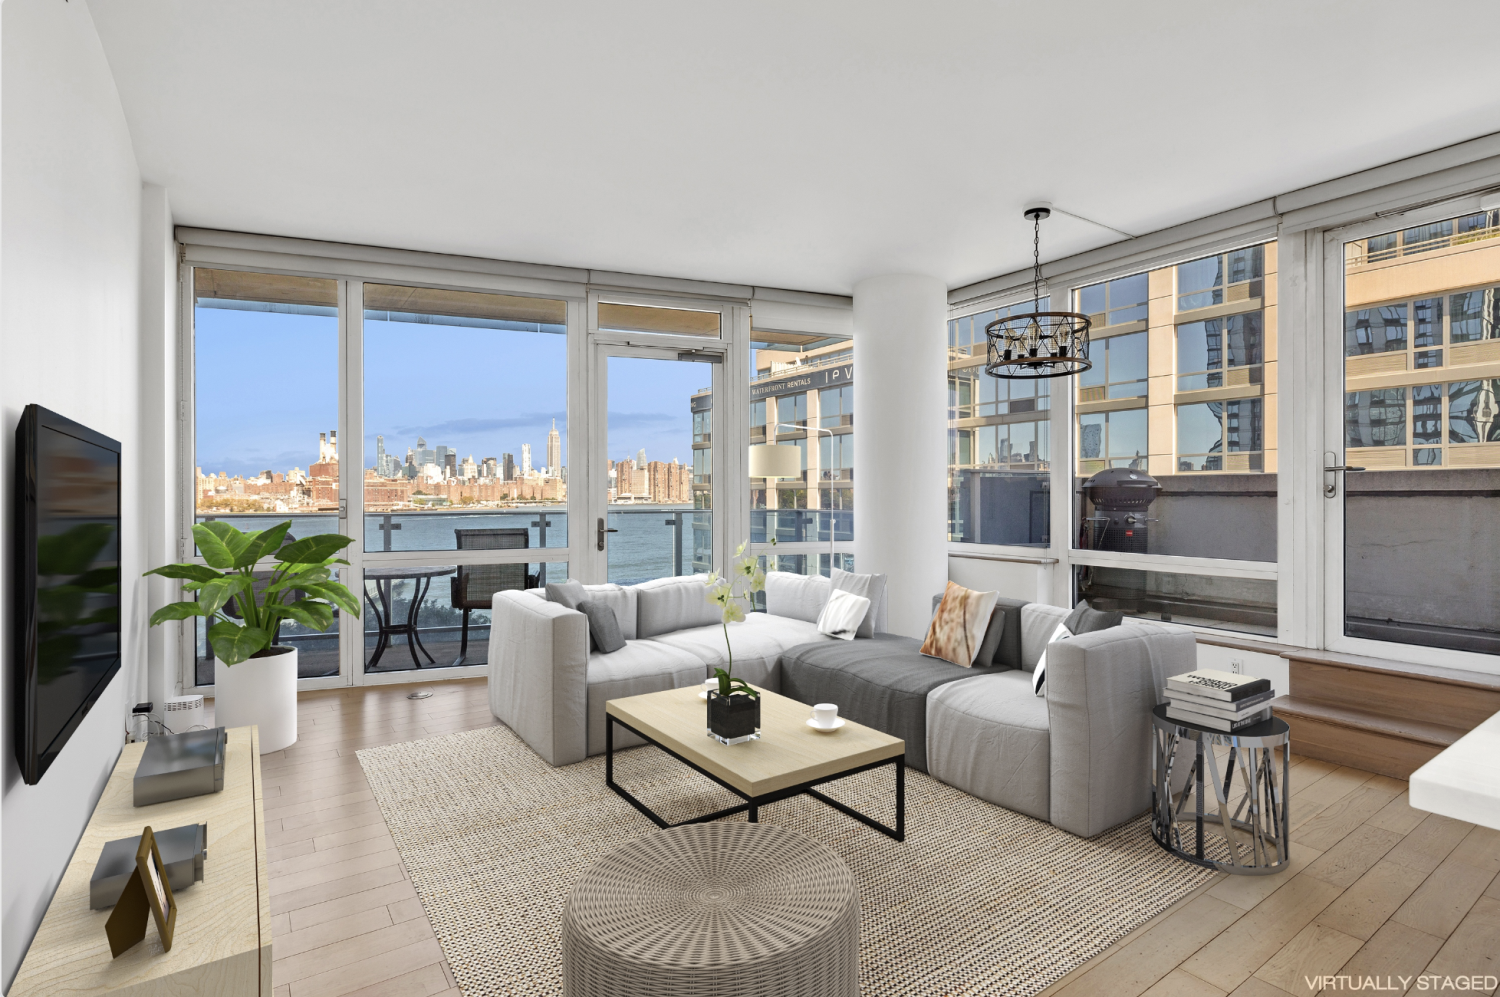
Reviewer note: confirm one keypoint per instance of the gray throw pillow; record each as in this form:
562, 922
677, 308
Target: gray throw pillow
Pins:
569, 593
1085, 619
604, 628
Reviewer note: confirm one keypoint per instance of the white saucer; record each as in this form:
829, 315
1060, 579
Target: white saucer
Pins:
837, 723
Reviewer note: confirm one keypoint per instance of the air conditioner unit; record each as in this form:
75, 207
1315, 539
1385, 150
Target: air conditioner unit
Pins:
183, 713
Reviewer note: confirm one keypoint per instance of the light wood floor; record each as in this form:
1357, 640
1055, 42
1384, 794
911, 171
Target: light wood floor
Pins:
1376, 888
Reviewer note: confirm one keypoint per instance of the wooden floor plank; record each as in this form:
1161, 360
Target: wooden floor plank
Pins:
1151, 956
1314, 952
1474, 947
1259, 935
1440, 903
1394, 951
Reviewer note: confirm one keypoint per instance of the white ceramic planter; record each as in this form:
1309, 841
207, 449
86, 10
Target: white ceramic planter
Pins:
260, 691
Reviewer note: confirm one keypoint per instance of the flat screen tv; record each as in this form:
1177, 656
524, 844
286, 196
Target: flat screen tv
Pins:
66, 582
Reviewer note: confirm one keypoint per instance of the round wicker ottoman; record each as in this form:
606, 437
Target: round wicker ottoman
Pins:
721, 909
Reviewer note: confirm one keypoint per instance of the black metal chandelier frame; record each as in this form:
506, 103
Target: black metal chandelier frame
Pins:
1037, 344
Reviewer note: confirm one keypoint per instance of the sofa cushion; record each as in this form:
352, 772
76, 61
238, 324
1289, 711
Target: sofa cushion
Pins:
604, 629
1086, 619
882, 683
1038, 622
758, 646
958, 627
667, 604
871, 587
641, 666
989, 737
796, 597
1001, 647
621, 599
568, 593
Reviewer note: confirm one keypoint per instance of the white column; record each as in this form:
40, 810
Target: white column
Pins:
900, 441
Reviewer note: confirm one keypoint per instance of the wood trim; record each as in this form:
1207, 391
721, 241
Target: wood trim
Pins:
1429, 673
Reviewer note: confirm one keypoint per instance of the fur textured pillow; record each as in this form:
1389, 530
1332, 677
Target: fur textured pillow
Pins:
958, 626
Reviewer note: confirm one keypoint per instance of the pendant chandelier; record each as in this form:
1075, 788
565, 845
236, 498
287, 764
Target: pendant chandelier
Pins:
1037, 344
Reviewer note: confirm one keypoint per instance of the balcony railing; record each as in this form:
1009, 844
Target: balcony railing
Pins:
811, 363
1359, 253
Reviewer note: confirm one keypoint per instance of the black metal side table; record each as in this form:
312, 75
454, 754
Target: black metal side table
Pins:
1251, 837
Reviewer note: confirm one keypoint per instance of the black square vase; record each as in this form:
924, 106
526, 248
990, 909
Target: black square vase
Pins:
733, 719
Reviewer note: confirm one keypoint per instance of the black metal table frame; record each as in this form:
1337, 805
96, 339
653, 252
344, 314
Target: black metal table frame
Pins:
383, 622
751, 806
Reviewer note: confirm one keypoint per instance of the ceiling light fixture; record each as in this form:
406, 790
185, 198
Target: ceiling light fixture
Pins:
1037, 344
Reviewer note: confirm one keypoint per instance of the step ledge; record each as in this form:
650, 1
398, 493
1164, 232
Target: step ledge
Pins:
1405, 669
1373, 723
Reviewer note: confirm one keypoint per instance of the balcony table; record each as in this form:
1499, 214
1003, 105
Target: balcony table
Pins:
383, 579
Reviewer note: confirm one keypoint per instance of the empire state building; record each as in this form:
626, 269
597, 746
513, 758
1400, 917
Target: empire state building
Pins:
554, 452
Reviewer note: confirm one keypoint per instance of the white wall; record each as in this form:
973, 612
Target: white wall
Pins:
70, 230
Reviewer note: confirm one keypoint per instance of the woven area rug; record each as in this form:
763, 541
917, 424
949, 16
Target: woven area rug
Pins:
977, 900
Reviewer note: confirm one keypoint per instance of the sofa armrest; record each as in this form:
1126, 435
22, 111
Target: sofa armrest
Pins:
1101, 687
539, 659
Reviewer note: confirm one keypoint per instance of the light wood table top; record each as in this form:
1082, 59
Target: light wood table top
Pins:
221, 944
788, 753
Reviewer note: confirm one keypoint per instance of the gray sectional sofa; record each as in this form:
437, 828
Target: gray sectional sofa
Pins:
1078, 756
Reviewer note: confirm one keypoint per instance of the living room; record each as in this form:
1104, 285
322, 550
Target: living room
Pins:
360, 367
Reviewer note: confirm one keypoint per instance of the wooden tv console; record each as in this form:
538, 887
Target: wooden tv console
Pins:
222, 943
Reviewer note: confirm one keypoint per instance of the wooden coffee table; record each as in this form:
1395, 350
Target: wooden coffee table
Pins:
789, 759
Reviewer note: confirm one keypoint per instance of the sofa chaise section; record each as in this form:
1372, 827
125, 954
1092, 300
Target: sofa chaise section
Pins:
1081, 755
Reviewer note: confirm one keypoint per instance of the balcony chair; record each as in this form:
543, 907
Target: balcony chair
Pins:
474, 585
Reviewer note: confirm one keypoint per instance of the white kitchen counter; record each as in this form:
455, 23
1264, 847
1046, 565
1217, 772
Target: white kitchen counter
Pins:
1463, 781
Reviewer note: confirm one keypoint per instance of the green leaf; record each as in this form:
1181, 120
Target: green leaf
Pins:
290, 580
335, 593
313, 615
224, 531
313, 550
194, 572
213, 548
233, 643
213, 595
177, 611
261, 544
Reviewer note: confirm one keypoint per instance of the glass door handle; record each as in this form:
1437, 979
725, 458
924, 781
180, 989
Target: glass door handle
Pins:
603, 531
1332, 487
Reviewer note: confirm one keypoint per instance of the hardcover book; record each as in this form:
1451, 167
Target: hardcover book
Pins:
1211, 684
1217, 723
1220, 707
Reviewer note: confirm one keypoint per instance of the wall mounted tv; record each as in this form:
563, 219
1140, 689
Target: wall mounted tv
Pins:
66, 637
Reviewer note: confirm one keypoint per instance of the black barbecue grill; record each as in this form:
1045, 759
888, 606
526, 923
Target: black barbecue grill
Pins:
1120, 497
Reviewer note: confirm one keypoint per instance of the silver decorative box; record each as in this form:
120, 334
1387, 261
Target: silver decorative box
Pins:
183, 850
176, 766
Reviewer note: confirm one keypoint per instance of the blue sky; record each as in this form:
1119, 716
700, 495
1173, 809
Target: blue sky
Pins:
267, 385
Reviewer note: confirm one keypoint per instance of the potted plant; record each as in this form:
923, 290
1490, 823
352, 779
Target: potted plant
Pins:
734, 707
255, 679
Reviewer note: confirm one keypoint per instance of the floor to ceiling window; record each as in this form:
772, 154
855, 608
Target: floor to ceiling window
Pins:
258, 465
802, 395
999, 460
1175, 440
465, 451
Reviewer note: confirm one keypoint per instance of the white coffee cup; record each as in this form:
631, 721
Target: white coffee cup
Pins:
825, 714
710, 686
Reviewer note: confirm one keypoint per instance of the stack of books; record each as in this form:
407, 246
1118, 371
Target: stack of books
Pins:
1219, 700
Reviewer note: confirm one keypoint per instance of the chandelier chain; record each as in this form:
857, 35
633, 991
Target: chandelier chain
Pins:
1036, 258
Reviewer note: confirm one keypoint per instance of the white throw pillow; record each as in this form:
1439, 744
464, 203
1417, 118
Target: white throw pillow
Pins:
872, 587
840, 618
794, 596
1039, 675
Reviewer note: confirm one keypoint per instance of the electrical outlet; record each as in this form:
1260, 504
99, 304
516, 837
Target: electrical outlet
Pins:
1237, 666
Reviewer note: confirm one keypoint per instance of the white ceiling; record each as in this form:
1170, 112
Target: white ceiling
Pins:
801, 145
